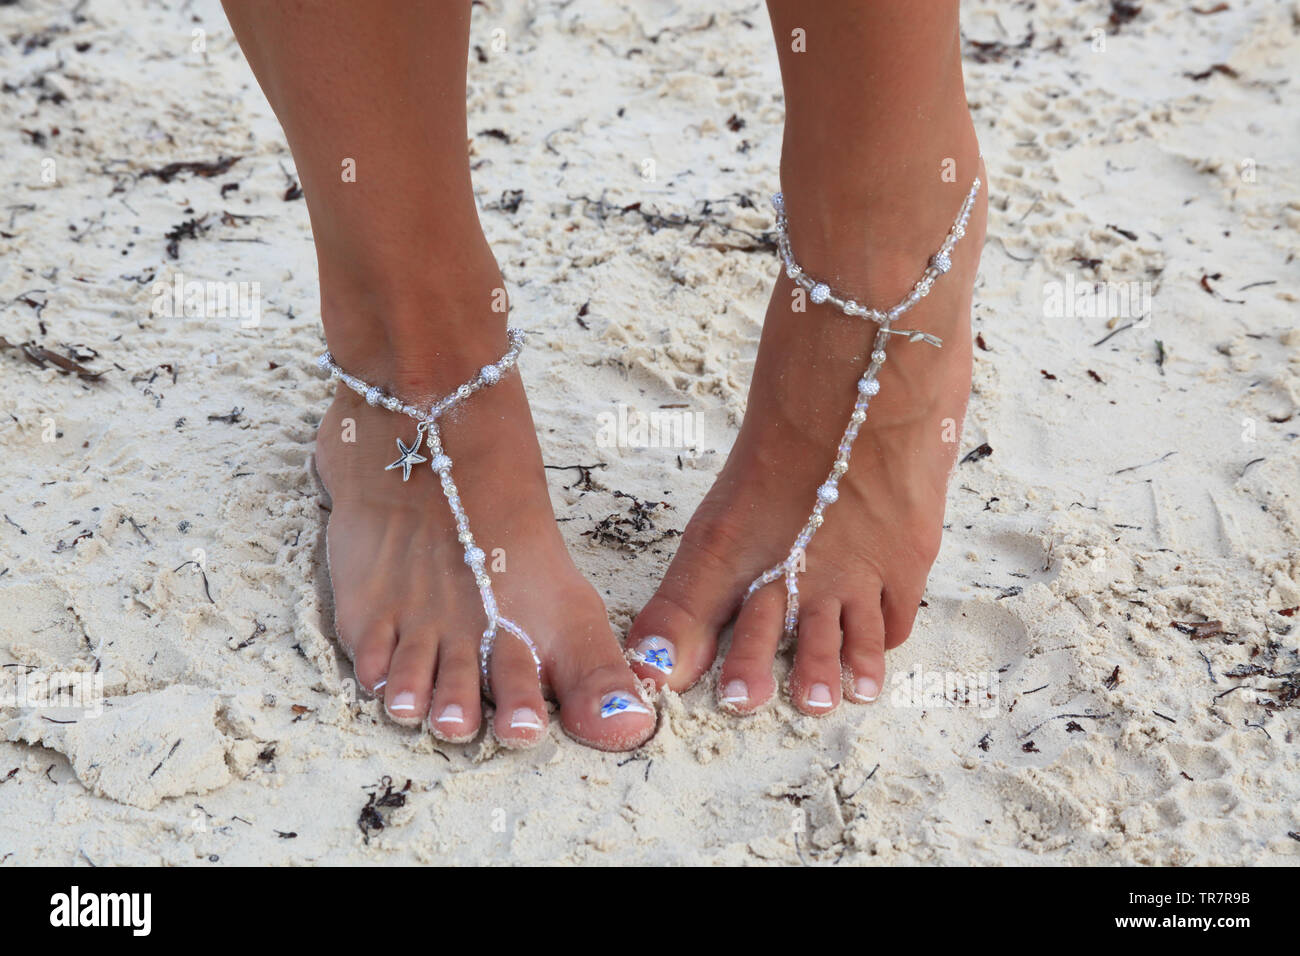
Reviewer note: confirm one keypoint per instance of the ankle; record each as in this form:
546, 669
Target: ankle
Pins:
417, 330
866, 217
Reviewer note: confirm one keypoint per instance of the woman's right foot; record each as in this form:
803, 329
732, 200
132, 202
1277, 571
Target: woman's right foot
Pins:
406, 605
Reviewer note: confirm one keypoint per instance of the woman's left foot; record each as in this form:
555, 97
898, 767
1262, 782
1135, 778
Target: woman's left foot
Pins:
867, 565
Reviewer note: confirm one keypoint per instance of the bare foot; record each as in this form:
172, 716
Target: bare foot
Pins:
867, 566
406, 606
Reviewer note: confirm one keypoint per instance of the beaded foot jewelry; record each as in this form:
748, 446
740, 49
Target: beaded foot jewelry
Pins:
819, 293
427, 432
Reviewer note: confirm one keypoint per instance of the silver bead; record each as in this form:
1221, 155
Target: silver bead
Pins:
490, 374
324, 361
463, 391
392, 403
868, 386
851, 307
820, 293
372, 395
859, 416
441, 463
816, 521
878, 356
840, 467
941, 262
828, 493
473, 556
778, 202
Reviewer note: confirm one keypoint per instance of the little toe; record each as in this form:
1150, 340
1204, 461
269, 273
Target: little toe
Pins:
746, 681
456, 711
410, 677
816, 678
864, 649
520, 719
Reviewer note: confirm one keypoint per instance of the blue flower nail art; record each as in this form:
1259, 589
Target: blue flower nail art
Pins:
655, 651
618, 703
660, 659
614, 706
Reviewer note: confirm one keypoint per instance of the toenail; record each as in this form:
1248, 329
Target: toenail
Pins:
736, 692
866, 689
451, 714
617, 702
658, 652
525, 718
379, 686
404, 701
819, 696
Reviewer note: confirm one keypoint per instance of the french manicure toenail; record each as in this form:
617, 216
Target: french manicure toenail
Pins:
379, 686
866, 689
819, 696
404, 701
617, 702
736, 692
525, 718
658, 652
451, 714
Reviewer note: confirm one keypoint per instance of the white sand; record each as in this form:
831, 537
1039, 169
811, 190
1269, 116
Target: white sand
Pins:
1078, 142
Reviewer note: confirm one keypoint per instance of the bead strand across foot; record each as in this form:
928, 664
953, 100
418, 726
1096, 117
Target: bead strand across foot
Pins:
420, 605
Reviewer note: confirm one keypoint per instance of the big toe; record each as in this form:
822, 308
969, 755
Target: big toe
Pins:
605, 708
601, 701
674, 639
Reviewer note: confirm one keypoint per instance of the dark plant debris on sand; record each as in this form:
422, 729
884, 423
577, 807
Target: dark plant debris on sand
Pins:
382, 798
632, 531
71, 363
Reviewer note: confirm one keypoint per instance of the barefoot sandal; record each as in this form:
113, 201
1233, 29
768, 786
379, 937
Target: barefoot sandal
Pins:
819, 292
428, 433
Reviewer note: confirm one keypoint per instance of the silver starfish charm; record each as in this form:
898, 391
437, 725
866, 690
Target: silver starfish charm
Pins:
409, 457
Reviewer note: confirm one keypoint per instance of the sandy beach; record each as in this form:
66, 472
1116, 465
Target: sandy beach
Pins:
1105, 670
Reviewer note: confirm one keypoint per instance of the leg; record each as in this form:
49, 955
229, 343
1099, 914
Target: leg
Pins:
408, 288
875, 116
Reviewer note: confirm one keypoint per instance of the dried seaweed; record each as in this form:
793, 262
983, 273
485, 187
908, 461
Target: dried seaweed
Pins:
634, 530
1199, 631
43, 357
1121, 12
372, 816
189, 229
205, 169
975, 454
995, 51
